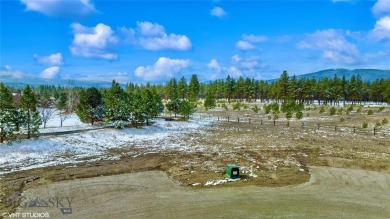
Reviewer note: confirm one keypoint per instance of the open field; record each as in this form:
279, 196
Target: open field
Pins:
330, 193
194, 154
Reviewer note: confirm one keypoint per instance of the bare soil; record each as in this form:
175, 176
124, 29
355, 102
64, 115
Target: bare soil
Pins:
330, 193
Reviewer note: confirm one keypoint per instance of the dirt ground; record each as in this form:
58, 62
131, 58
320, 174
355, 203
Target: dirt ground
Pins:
342, 183
330, 193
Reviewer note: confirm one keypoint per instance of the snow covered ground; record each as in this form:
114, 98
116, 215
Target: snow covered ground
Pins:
71, 123
94, 145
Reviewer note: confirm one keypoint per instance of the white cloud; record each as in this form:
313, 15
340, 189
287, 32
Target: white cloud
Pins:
149, 29
381, 30
53, 59
333, 45
7, 70
214, 65
7, 67
247, 41
61, 8
218, 12
121, 77
381, 7
236, 58
234, 72
94, 42
254, 38
50, 72
163, 69
247, 63
243, 45
152, 36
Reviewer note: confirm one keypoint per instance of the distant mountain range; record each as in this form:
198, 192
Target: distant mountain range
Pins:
365, 74
36, 81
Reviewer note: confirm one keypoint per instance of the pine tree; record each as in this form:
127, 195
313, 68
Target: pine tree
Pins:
117, 104
182, 88
137, 115
171, 90
32, 120
283, 86
7, 127
186, 109
193, 89
151, 105
174, 106
230, 85
90, 108
209, 102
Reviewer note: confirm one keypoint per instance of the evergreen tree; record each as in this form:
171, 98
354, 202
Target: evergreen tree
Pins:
117, 104
209, 102
151, 105
90, 108
182, 88
171, 90
230, 85
7, 127
193, 89
138, 114
283, 86
186, 109
32, 120
174, 106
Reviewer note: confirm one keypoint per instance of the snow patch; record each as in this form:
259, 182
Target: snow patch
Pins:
94, 145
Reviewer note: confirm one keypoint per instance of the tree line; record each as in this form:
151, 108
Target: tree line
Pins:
304, 90
23, 111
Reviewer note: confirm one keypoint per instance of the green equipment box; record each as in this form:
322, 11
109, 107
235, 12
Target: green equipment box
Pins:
232, 171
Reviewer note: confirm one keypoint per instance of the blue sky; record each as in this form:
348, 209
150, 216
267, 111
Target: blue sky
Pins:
141, 41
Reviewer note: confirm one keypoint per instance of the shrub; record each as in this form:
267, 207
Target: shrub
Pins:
322, 109
120, 124
245, 106
340, 111
275, 117
255, 109
359, 110
267, 108
269, 117
342, 119
237, 106
385, 121
307, 115
332, 111
299, 115
381, 109
275, 108
370, 112
365, 125
378, 124
224, 106
288, 115
350, 108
